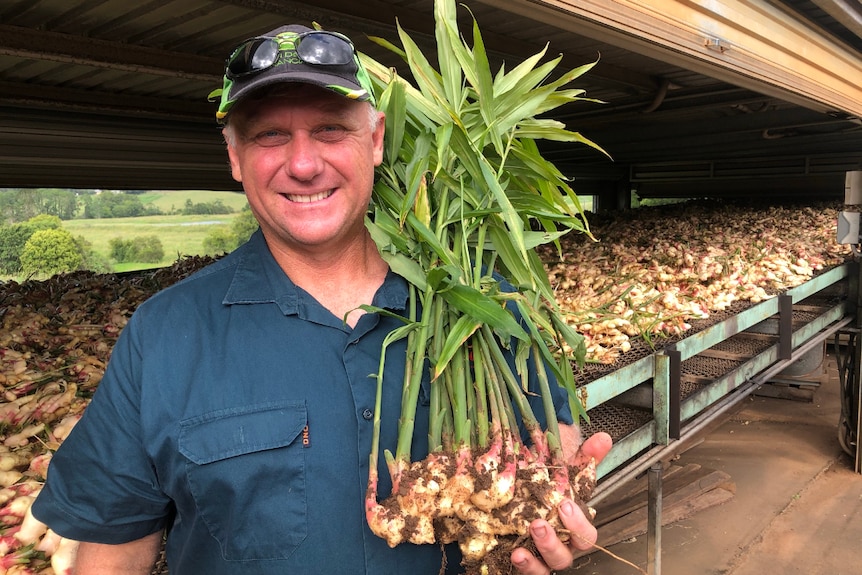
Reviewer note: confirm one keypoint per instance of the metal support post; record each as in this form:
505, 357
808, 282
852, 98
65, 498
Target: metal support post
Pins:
654, 520
854, 377
785, 327
858, 466
675, 407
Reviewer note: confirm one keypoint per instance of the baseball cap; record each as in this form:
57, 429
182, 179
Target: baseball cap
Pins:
293, 54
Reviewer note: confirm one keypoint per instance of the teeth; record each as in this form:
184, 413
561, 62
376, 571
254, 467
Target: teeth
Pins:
304, 199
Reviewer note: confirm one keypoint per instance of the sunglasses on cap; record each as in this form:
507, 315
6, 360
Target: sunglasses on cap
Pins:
316, 47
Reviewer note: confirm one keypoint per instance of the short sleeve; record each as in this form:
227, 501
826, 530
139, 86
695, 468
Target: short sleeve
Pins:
101, 484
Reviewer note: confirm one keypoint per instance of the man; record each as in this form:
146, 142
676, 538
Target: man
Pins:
236, 412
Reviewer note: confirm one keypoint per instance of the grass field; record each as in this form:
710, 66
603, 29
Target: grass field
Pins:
169, 201
180, 235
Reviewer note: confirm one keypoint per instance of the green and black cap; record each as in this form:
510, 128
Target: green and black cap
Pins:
293, 54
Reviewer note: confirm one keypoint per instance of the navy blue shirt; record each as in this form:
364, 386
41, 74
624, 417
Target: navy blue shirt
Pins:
237, 412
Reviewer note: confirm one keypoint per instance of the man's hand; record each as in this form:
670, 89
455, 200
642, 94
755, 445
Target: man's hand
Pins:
553, 553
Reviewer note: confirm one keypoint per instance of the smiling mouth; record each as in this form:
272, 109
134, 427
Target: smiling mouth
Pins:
307, 199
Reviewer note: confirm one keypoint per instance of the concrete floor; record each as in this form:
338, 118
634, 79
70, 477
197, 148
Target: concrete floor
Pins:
797, 507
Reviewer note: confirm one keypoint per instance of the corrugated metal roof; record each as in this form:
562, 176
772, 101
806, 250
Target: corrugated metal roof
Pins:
101, 93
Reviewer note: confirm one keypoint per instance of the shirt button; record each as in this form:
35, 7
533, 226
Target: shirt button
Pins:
368, 414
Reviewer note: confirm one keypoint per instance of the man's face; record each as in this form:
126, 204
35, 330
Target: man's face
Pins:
306, 160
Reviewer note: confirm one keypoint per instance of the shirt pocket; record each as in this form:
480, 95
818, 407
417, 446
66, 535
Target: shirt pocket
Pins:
246, 472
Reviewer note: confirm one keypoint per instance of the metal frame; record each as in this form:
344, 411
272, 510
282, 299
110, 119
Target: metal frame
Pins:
677, 422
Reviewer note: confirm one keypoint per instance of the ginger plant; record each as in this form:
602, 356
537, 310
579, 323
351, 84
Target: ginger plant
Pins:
461, 201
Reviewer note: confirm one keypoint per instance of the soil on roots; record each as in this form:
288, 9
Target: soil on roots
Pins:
498, 560
435, 501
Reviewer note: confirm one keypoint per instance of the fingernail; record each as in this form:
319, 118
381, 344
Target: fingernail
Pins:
540, 532
567, 509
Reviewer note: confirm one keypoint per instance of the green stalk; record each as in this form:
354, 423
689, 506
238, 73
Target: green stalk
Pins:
460, 403
553, 426
390, 338
515, 391
409, 366
452, 379
407, 421
502, 413
480, 392
478, 257
436, 418
464, 367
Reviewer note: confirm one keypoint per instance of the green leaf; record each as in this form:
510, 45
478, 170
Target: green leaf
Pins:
534, 239
416, 170
420, 109
424, 234
407, 268
450, 71
443, 135
458, 335
437, 278
521, 78
480, 307
426, 77
484, 85
394, 101
508, 213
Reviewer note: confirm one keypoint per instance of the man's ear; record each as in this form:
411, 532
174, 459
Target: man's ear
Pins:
233, 157
377, 138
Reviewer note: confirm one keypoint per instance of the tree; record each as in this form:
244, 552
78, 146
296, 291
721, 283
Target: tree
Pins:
91, 259
44, 222
219, 241
17, 205
49, 252
122, 250
244, 225
14, 237
206, 208
147, 249
116, 205
60, 203
12, 240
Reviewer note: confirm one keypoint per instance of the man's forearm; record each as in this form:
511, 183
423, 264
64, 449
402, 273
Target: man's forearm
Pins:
133, 558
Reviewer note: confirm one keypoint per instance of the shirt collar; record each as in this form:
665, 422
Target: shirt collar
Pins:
259, 279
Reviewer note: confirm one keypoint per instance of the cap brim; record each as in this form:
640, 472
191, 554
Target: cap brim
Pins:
337, 84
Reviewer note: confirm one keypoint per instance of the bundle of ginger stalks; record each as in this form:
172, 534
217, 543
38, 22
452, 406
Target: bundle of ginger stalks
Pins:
459, 194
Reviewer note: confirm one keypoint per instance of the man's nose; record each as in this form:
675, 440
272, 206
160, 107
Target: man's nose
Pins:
303, 158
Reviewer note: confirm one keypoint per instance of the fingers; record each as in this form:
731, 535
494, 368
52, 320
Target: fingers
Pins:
597, 445
554, 554
583, 532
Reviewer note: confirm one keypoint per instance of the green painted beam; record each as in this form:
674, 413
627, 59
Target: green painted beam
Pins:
617, 382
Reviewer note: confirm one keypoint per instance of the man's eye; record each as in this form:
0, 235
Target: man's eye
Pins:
271, 138
330, 133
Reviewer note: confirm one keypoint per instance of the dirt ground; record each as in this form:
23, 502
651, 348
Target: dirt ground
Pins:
797, 507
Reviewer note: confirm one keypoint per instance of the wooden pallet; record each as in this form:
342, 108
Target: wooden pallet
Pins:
685, 491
